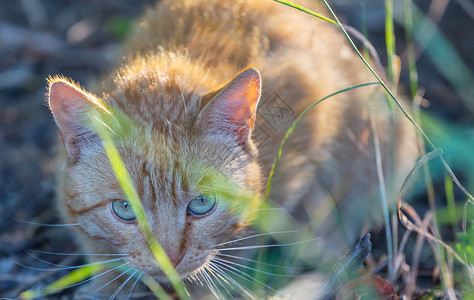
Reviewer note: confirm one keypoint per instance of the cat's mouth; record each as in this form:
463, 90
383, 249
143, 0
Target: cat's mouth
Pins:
161, 277
184, 267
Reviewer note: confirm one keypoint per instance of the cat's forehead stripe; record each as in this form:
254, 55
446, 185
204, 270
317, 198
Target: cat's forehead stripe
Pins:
159, 184
157, 89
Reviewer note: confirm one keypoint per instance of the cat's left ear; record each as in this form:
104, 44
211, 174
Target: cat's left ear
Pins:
71, 106
232, 111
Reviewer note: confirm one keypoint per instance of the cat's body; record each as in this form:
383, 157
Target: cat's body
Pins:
185, 124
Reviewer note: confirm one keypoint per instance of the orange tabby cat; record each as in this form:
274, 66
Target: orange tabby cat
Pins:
193, 75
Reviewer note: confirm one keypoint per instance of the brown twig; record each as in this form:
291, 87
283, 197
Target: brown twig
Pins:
416, 256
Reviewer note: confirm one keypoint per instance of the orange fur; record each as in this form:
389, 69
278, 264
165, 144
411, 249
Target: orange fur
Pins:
178, 59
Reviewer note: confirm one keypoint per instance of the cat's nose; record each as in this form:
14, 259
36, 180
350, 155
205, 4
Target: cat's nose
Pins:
175, 259
174, 254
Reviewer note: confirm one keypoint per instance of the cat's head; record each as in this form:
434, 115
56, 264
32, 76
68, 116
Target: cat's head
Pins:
197, 178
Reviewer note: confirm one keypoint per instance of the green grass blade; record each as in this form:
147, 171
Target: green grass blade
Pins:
405, 113
390, 45
365, 51
103, 130
303, 9
385, 197
295, 122
450, 201
390, 40
72, 278
155, 287
443, 55
411, 58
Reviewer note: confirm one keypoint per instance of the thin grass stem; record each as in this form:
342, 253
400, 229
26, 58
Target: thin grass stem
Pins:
383, 196
120, 171
308, 11
295, 122
405, 113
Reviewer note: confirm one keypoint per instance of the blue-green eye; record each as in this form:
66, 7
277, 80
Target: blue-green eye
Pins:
123, 210
202, 204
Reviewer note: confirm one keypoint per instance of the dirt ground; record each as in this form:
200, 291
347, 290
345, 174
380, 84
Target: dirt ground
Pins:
81, 40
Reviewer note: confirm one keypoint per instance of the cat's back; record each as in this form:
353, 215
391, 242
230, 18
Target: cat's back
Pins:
184, 49
231, 35
218, 26
205, 43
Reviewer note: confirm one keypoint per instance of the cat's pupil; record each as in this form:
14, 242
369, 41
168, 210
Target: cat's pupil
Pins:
123, 210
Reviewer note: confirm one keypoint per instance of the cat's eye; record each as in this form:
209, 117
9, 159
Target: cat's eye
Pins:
202, 204
123, 210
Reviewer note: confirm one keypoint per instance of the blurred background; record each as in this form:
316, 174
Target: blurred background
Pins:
81, 40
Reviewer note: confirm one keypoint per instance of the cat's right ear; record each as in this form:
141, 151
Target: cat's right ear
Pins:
232, 110
70, 106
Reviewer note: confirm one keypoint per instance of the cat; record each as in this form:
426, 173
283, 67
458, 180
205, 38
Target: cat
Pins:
211, 87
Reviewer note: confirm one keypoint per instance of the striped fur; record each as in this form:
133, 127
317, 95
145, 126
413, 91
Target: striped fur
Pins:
178, 58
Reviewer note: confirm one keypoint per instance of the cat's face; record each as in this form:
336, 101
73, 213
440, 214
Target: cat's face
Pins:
195, 181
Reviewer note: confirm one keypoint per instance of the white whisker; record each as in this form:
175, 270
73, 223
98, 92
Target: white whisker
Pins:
268, 246
78, 254
48, 225
185, 287
257, 235
222, 272
122, 285
211, 267
45, 261
98, 275
211, 276
67, 268
196, 278
219, 278
192, 279
256, 261
204, 270
253, 280
133, 286
124, 272
200, 277
204, 275
256, 270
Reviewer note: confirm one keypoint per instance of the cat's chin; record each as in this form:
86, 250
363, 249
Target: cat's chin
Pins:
184, 269
162, 279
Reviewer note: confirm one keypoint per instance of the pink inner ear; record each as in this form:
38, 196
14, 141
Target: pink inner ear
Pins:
237, 102
69, 106
66, 102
